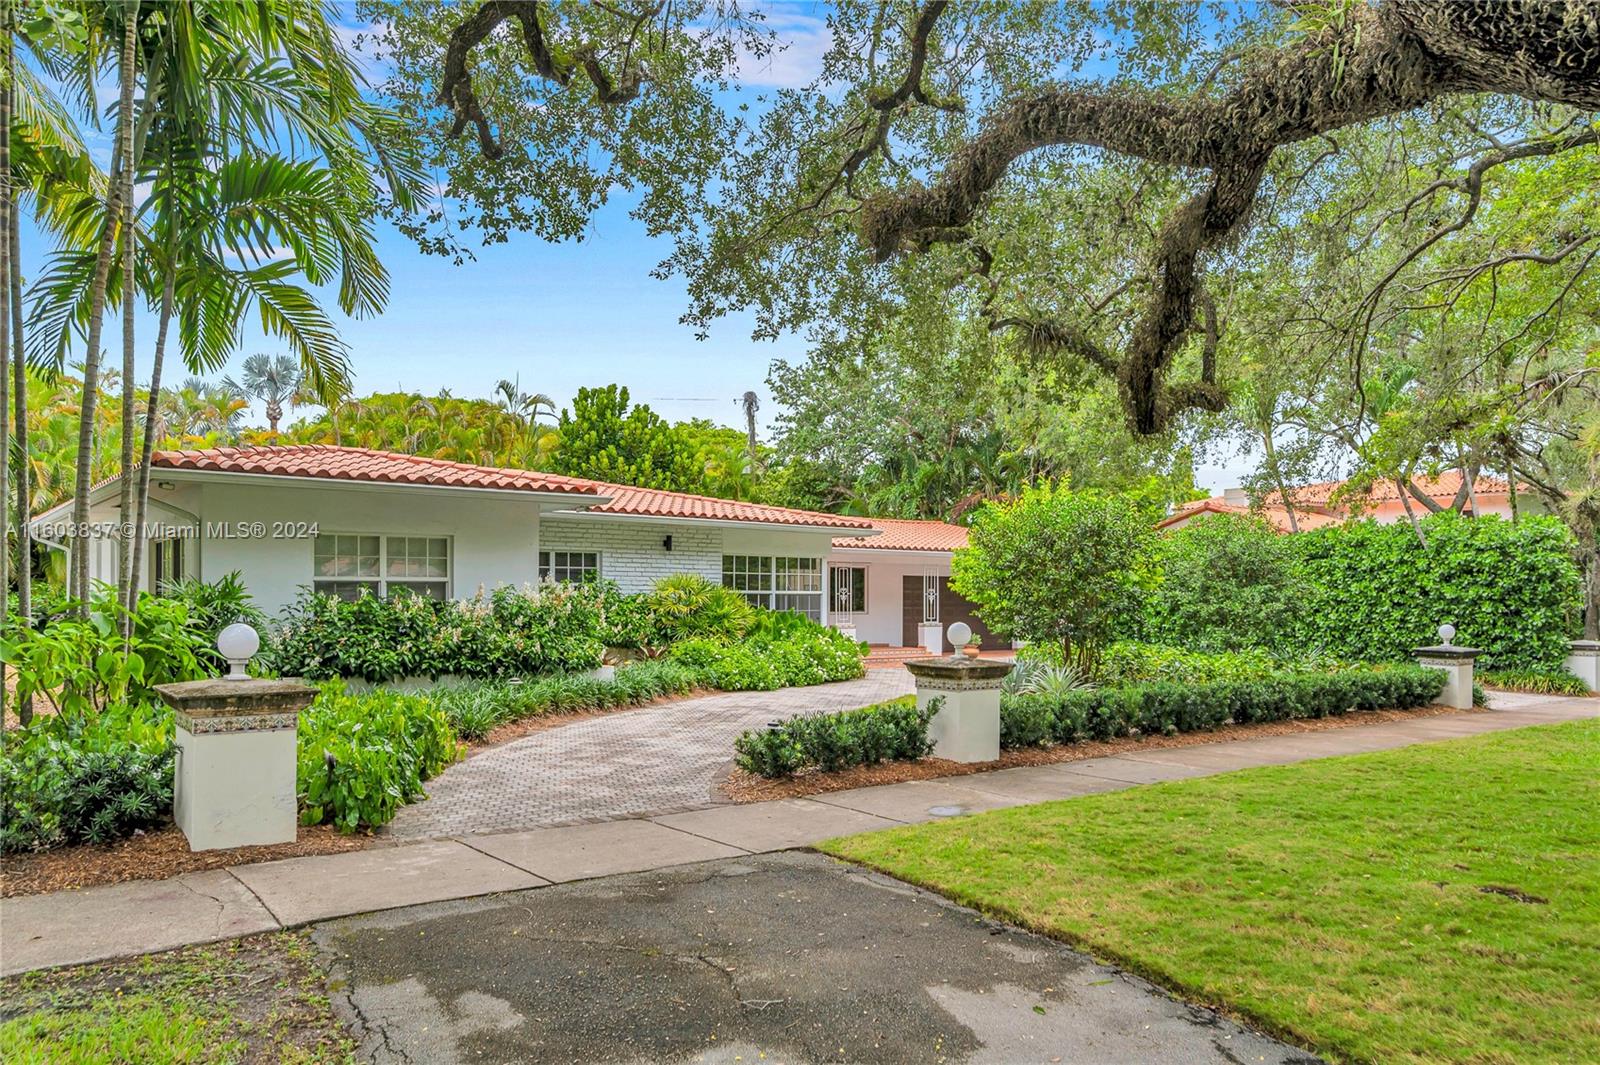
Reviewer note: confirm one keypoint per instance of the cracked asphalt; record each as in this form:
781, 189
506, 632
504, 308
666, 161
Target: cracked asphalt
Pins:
781, 958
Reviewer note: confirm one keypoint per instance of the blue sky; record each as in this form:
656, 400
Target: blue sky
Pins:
557, 317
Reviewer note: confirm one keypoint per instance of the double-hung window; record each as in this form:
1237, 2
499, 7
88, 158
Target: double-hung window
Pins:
346, 564
569, 567
776, 582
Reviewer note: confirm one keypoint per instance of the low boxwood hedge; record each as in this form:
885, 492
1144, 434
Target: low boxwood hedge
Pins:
884, 732
1163, 708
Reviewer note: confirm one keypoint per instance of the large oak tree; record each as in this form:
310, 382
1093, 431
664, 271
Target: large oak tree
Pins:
932, 129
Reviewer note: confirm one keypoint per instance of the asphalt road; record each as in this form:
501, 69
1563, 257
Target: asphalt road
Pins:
781, 958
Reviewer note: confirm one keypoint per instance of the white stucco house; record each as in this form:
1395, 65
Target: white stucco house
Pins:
340, 519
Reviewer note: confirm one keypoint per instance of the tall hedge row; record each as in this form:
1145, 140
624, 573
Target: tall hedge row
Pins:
1373, 592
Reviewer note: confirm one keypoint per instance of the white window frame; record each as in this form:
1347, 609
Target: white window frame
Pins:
842, 598
561, 570
772, 581
381, 584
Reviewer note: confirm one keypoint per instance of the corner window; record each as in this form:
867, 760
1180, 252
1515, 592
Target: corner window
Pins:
345, 564
569, 567
777, 583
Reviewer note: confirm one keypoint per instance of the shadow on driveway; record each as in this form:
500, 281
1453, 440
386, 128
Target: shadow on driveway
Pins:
776, 958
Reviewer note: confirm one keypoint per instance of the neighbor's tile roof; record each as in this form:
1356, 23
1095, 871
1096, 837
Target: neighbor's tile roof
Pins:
327, 462
1277, 517
654, 503
1445, 486
903, 534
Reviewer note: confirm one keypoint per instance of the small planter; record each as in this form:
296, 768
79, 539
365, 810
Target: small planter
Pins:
971, 650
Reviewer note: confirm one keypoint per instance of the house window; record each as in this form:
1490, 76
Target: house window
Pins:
777, 583
345, 564
166, 565
930, 599
571, 567
849, 585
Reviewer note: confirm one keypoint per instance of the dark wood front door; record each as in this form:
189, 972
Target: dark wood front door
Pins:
952, 608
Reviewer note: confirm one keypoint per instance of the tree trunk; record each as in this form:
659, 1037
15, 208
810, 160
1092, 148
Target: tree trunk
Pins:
152, 420
5, 331
127, 579
19, 399
1411, 515
1277, 477
121, 163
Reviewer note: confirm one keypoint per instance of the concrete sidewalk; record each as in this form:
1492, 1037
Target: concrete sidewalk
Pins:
141, 917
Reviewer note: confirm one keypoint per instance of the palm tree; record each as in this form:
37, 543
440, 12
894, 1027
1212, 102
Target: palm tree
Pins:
751, 403
121, 185
272, 380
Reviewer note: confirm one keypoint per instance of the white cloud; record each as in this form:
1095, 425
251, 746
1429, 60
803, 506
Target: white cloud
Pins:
802, 41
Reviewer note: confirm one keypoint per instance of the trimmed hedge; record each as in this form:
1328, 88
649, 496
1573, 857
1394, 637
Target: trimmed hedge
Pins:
783, 650
1164, 708
895, 730
1375, 593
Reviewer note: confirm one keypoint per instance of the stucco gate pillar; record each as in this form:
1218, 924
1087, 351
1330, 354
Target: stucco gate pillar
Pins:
1457, 665
1583, 662
234, 782
967, 726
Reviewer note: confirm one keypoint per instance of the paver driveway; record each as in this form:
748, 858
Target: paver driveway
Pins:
625, 764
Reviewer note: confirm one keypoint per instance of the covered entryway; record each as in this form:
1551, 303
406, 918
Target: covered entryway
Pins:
929, 599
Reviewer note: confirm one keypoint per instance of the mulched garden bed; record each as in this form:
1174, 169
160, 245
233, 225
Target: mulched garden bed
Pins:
740, 786
154, 855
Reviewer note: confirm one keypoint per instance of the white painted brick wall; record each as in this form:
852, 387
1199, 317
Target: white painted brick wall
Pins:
630, 551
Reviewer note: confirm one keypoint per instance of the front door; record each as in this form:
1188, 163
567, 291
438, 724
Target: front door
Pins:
929, 599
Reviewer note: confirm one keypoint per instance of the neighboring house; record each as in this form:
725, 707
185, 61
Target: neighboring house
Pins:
342, 519
1316, 505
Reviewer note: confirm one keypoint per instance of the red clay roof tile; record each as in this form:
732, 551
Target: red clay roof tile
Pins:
905, 534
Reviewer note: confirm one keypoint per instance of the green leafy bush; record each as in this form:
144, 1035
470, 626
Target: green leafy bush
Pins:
212, 607
1510, 588
1058, 567
85, 778
81, 665
362, 757
510, 632
686, 606
1131, 662
894, 730
476, 708
782, 650
1538, 681
1228, 583
1165, 708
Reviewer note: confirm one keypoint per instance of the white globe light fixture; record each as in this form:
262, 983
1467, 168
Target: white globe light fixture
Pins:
960, 633
1447, 632
238, 643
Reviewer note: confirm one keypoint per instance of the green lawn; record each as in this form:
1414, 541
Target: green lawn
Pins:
1436, 903
257, 999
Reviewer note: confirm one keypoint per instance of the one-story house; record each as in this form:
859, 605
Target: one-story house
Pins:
344, 519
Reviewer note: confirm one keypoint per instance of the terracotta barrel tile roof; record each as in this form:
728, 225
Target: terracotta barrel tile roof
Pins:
1443, 487
904, 534
1277, 517
652, 502
327, 462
